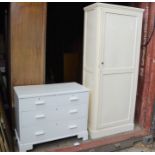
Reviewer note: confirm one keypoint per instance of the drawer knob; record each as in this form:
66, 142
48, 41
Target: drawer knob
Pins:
72, 126
73, 111
74, 99
39, 102
39, 133
40, 116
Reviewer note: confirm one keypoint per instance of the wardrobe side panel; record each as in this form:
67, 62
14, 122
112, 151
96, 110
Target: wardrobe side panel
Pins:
89, 62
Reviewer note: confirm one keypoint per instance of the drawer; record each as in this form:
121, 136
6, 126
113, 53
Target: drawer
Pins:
56, 113
52, 131
47, 102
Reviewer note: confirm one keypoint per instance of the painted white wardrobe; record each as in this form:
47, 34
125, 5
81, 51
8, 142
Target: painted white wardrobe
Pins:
112, 37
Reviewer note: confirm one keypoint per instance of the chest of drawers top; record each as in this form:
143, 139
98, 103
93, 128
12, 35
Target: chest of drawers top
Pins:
48, 89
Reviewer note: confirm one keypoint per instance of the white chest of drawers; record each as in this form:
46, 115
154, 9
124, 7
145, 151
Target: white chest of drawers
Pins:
49, 112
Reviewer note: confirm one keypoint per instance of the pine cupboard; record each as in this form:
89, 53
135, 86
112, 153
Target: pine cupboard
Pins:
112, 37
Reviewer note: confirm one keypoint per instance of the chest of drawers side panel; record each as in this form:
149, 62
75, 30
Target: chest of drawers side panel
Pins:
17, 115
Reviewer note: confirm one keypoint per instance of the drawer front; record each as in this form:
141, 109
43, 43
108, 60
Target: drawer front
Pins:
47, 102
56, 113
52, 131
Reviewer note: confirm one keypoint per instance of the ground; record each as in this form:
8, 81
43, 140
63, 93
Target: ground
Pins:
127, 141
137, 147
140, 147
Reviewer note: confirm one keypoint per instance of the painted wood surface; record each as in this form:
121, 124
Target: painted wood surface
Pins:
111, 66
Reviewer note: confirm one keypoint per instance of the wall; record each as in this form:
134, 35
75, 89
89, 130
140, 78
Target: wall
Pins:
146, 83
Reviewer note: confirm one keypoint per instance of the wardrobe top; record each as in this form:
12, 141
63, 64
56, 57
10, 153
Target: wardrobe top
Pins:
48, 89
104, 5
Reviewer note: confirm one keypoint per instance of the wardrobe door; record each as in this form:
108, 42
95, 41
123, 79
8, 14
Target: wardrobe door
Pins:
120, 43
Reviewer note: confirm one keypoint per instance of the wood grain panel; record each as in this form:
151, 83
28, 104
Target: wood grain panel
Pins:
27, 43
